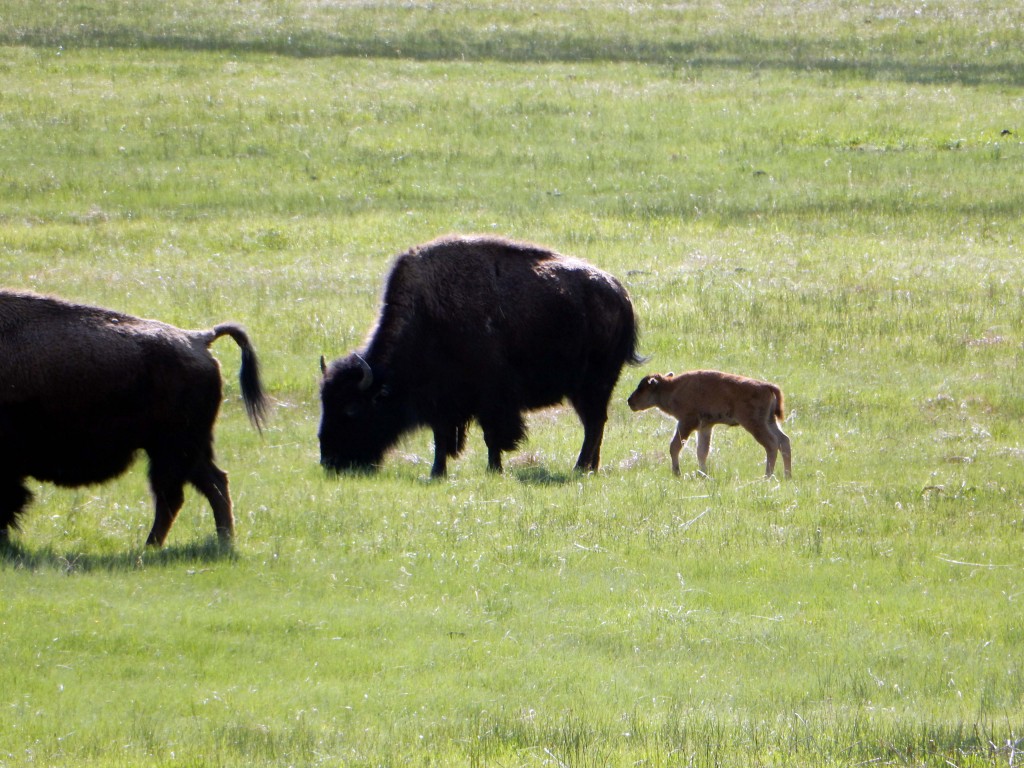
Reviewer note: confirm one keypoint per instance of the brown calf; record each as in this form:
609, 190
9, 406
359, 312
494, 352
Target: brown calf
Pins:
699, 400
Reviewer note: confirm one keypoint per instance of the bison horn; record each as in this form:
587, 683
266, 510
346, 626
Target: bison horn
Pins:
367, 380
323, 365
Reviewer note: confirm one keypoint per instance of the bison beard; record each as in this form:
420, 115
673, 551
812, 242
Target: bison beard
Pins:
82, 389
478, 328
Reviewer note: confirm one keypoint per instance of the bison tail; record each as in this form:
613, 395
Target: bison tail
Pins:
633, 357
637, 359
256, 401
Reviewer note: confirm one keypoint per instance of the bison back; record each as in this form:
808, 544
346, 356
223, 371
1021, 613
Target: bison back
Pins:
488, 314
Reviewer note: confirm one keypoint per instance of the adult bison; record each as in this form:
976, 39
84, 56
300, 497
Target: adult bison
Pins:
478, 328
82, 389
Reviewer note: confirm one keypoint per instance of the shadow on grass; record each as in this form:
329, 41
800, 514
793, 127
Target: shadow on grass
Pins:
887, 58
540, 475
17, 557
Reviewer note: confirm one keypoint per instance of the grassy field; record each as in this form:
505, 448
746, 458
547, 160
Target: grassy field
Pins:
827, 195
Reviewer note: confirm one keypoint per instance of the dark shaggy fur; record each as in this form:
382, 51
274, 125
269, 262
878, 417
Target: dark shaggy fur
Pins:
479, 328
82, 389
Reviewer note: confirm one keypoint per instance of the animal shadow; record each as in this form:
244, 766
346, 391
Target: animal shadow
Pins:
537, 474
16, 557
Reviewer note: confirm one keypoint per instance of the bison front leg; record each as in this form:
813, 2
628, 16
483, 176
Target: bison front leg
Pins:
449, 440
494, 460
503, 430
13, 498
440, 466
494, 448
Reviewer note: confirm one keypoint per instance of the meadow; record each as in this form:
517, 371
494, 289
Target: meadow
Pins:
827, 195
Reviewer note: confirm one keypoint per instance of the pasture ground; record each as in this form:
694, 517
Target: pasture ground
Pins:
826, 195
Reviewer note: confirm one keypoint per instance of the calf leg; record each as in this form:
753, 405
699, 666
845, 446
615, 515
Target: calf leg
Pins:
765, 435
13, 498
678, 441
212, 482
703, 448
783, 442
684, 428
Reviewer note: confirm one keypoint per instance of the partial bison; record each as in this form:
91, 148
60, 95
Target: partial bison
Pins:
82, 389
479, 328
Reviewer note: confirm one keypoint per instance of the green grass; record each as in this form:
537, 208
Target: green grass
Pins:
826, 195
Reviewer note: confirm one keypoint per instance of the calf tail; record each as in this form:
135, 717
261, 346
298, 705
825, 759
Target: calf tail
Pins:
780, 408
256, 401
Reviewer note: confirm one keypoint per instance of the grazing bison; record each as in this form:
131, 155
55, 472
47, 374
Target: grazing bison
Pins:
82, 389
478, 328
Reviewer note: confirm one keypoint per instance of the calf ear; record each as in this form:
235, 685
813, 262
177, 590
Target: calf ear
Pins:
653, 382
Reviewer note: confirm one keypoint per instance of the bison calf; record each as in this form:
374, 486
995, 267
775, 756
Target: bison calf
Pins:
699, 400
82, 389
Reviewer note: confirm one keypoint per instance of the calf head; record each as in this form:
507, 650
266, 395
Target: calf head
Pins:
646, 394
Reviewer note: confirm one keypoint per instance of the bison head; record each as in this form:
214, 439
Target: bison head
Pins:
358, 422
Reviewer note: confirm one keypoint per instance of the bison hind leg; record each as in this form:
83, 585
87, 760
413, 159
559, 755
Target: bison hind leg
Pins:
590, 452
14, 497
592, 409
211, 481
167, 482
